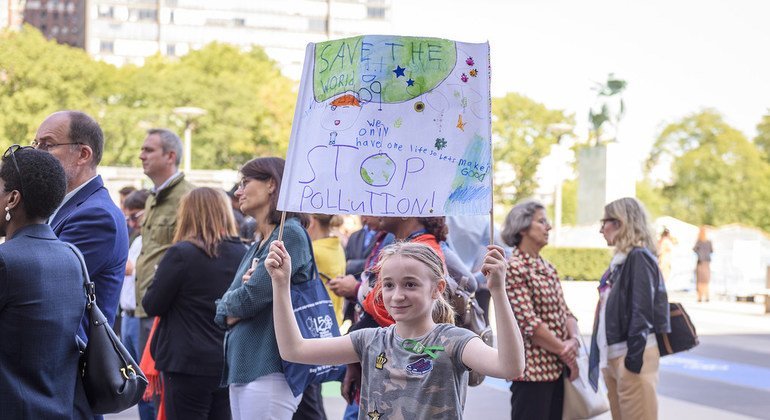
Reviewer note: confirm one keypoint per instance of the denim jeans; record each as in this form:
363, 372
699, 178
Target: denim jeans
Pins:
129, 335
351, 412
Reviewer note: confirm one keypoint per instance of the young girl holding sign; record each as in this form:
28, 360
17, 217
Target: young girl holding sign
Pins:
416, 368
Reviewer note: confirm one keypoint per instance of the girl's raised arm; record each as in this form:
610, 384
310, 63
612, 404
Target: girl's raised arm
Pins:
291, 345
507, 361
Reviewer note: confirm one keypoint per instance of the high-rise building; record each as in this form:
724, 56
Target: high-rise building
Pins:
11, 13
63, 20
121, 32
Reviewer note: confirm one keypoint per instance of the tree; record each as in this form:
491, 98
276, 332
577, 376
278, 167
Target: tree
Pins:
249, 103
762, 140
38, 77
652, 197
717, 175
520, 128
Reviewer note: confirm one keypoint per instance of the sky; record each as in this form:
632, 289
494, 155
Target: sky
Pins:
678, 56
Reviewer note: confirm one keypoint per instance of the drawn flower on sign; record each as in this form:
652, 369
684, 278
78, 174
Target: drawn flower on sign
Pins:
474, 73
464, 77
469, 61
440, 143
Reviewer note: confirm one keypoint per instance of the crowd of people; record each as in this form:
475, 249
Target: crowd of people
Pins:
201, 282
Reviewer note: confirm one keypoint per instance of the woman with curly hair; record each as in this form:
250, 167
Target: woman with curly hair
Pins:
42, 298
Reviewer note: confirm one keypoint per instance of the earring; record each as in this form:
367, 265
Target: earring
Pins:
7, 214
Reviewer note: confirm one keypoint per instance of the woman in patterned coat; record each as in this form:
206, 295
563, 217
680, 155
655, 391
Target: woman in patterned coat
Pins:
549, 329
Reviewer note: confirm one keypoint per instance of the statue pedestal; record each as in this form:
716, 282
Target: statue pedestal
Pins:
604, 175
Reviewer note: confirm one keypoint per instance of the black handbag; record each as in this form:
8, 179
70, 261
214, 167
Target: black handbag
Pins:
682, 336
111, 378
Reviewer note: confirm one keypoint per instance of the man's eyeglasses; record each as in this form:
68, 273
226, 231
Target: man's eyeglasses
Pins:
607, 220
11, 152
135, 217
48, 146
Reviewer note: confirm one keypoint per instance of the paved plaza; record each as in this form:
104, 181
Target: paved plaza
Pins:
726, 377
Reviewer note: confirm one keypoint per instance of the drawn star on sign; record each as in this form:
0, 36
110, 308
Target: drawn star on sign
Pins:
399, 71
410, 82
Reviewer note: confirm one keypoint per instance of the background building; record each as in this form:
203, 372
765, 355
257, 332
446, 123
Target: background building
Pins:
127, 32
11, 13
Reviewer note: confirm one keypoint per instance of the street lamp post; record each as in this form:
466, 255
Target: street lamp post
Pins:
559, 129
189, 113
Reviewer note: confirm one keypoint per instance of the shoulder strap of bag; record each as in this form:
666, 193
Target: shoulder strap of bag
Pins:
314, 274
88, 285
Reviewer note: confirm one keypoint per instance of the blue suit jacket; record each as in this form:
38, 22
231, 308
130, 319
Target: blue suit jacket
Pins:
91, 221
41, 305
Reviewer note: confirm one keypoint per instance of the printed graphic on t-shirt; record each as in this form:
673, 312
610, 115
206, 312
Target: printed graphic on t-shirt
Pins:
381, 360
412, 378
420, 367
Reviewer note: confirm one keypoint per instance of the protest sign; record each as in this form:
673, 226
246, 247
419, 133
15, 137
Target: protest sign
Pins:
391, 126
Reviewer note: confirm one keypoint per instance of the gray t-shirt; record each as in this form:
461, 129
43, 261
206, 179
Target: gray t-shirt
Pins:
402, 384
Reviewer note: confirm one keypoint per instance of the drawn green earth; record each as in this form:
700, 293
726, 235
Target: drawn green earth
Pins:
377, 170
368, 65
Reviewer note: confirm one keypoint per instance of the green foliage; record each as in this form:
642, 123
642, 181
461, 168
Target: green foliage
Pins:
522, 139
718, 176
762, 140
652, 197
578, 263
249, 103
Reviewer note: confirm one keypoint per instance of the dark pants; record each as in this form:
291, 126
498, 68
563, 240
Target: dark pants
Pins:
195, 397
145, 326
537, 400
312, 405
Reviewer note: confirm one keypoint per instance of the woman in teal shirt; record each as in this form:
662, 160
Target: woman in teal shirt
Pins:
253, 369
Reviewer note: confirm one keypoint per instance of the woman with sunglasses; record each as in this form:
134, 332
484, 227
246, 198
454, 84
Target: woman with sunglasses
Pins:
42, 299
632, 308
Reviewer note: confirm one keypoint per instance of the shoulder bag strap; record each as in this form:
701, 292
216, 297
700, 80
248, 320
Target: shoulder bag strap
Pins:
88, 285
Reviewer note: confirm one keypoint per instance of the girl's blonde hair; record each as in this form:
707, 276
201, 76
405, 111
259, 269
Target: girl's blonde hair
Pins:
205, 218
442, 310
634, 227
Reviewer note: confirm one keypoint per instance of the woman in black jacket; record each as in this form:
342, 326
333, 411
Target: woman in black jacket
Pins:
633, 306
193, 273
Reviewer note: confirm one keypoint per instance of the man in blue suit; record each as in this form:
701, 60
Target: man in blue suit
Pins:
87, 218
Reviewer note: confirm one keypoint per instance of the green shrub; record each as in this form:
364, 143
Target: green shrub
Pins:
578, 263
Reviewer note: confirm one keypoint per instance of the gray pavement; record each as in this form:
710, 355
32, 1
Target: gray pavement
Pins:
726, 377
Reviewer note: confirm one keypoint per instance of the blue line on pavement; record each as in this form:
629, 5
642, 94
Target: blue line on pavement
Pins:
497, 383
740, 374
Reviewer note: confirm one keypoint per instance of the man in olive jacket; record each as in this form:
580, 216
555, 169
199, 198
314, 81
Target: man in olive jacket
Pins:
160, 156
